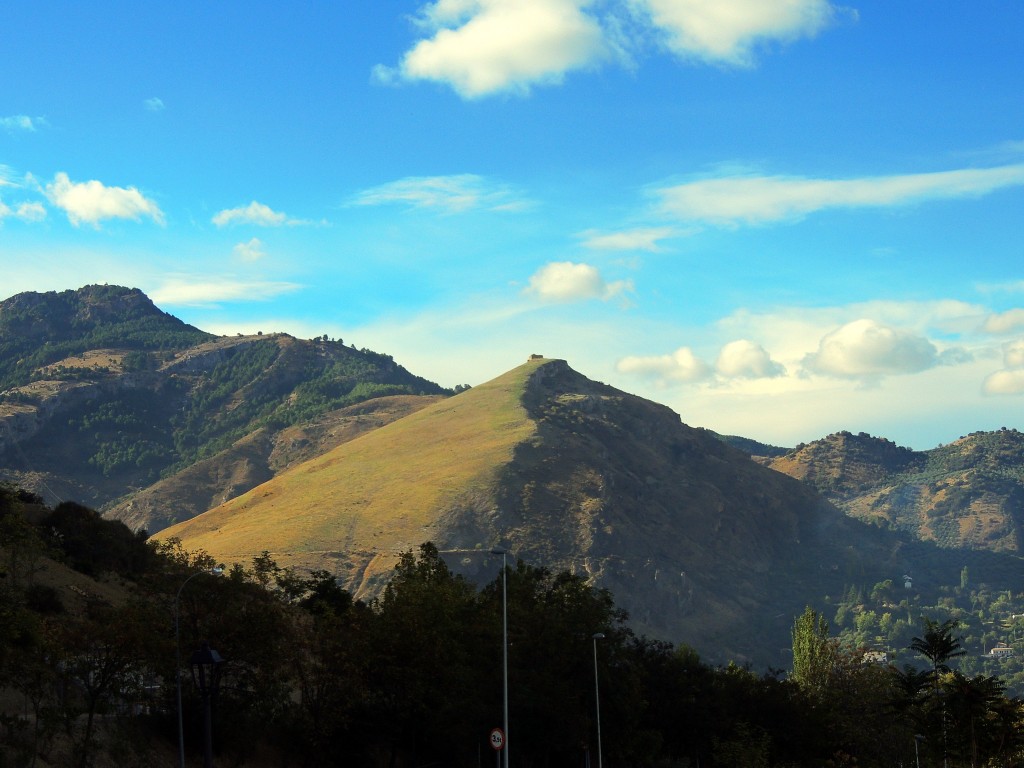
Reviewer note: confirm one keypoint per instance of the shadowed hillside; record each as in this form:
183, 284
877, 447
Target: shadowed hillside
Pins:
697, 542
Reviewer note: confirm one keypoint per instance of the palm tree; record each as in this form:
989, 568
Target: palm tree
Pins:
972, 704
939, 646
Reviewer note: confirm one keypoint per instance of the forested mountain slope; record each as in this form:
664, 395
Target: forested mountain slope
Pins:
967, 494
103, 395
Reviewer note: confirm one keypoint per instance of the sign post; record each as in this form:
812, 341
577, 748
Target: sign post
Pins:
497, 741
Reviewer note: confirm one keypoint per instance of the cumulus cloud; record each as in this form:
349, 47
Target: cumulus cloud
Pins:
568, 281
680, 367
254, 213
1004, 322
727, 31
451, 194
1009, 380
183, 291
865, 348
1006, 382
736, 200
483, 47
479, 47
153, 104
250, 251
92, 201
745, 359
643, 239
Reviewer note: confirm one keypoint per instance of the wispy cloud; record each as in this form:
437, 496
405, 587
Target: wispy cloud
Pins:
680, 367
250, 251
562, 281
641, 239
27, 212
92, 201
197, 292
451, 194
761, 199
1005, 322
16, 123
254, 213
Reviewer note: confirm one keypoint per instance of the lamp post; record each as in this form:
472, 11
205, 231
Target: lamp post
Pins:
206, 669
597, 697
504, 646
177, 656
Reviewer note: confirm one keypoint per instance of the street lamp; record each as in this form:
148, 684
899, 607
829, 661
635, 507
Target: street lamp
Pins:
206, 669
216, 571
504, 645
597, 697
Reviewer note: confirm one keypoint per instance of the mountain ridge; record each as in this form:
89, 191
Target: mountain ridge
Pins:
698, 540
694, 538
966, 494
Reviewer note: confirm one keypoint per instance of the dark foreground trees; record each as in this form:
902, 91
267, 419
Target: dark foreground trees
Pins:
315, 678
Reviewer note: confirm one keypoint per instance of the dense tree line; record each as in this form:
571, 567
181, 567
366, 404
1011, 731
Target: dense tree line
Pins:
314, 677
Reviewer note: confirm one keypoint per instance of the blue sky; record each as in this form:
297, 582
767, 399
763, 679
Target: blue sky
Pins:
782, 218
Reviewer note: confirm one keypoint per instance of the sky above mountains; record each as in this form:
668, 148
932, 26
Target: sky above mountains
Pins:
782, 218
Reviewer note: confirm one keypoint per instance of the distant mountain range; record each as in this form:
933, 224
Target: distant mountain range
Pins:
331, 457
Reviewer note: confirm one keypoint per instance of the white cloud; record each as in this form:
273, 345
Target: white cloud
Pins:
1005, 322
250, 251
27, 212
92, 201
21, 123
1009, 380
1013, 354
568, 281
254, 213
759, 199
745, 359
681, 367
453, 194
183, 291
480, 47
865, 348
644, 239
154, 104
726, 31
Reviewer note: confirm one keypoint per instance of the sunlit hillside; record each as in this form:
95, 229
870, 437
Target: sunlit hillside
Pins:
355, 508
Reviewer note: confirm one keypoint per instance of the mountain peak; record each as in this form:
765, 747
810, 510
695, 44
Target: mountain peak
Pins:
568, 473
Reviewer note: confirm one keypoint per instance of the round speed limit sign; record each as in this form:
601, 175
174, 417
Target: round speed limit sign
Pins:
497, 739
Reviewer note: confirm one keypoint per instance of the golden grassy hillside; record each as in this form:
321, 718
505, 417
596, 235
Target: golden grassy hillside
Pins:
353, 509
